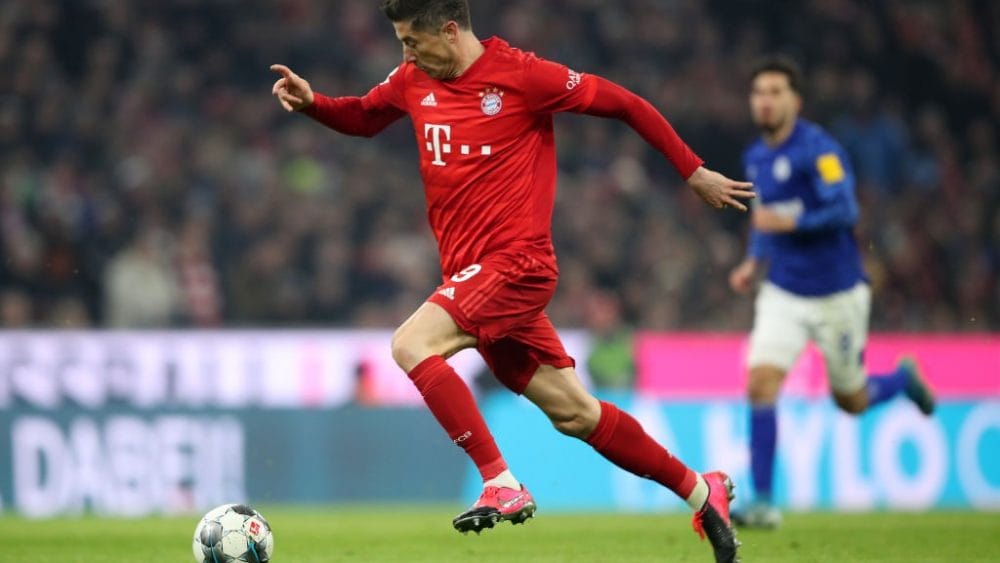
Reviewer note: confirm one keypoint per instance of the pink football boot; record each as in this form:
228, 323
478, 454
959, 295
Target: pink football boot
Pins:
712, 520
496, 504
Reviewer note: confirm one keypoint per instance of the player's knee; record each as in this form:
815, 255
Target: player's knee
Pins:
575, 426
578, 422
764, 385
853, 403
405, 353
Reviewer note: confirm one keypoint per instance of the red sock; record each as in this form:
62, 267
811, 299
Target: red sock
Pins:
451, 402
621, 439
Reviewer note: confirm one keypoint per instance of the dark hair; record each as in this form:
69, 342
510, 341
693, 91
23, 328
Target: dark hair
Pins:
783, 64
428, 14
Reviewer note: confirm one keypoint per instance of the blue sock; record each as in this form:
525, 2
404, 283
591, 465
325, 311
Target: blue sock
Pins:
883, 387
763, 436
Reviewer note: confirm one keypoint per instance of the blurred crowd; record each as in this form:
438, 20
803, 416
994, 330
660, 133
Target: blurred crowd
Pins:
149, 179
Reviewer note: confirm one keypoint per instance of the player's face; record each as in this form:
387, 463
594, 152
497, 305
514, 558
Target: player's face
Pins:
434, 52
773, 103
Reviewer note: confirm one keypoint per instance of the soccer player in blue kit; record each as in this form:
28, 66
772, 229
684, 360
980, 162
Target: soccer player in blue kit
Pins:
815, 289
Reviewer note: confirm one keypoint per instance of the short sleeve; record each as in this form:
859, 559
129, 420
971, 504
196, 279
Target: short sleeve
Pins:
389, 93
552, 87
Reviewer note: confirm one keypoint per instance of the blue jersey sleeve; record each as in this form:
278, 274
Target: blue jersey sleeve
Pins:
833, 184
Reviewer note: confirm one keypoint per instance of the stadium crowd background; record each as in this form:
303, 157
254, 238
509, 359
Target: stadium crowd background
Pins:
149, 179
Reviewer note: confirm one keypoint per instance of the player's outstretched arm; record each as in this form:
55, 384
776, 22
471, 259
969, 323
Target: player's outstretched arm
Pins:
350, 115
612, 100
718, 190
293, 91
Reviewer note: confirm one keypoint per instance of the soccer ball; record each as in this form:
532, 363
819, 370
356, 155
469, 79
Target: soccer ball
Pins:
233, 532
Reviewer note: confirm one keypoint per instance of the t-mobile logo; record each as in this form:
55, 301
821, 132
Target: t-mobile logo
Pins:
439, 142
432, 133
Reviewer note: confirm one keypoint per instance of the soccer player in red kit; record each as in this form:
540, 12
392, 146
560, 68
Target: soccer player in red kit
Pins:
482, 115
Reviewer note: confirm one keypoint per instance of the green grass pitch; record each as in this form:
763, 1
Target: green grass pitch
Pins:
363, 534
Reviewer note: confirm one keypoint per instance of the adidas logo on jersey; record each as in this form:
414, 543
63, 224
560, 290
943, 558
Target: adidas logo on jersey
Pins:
448, 292
429, 100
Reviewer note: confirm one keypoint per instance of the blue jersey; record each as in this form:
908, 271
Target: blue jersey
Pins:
808, 177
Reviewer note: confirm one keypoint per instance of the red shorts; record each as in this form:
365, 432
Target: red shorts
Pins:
501, 301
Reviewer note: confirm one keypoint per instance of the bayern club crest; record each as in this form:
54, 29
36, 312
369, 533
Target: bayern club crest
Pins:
492, 101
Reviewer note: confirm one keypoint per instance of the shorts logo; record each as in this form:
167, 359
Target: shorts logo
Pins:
448, 292
492, 101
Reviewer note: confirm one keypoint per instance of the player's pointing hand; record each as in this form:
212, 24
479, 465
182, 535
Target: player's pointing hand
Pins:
719, 191
292, 90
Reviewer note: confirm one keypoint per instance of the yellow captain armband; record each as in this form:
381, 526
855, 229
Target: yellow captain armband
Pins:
830, 168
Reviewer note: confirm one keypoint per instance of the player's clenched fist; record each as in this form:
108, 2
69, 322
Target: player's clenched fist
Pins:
292, 90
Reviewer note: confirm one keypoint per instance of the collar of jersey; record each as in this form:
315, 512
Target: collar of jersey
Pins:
491, 44
796, 131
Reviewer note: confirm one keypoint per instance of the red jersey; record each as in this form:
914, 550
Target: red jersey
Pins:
486, 142
487, 149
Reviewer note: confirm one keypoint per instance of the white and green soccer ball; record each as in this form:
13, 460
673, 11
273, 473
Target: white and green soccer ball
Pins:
233, 532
